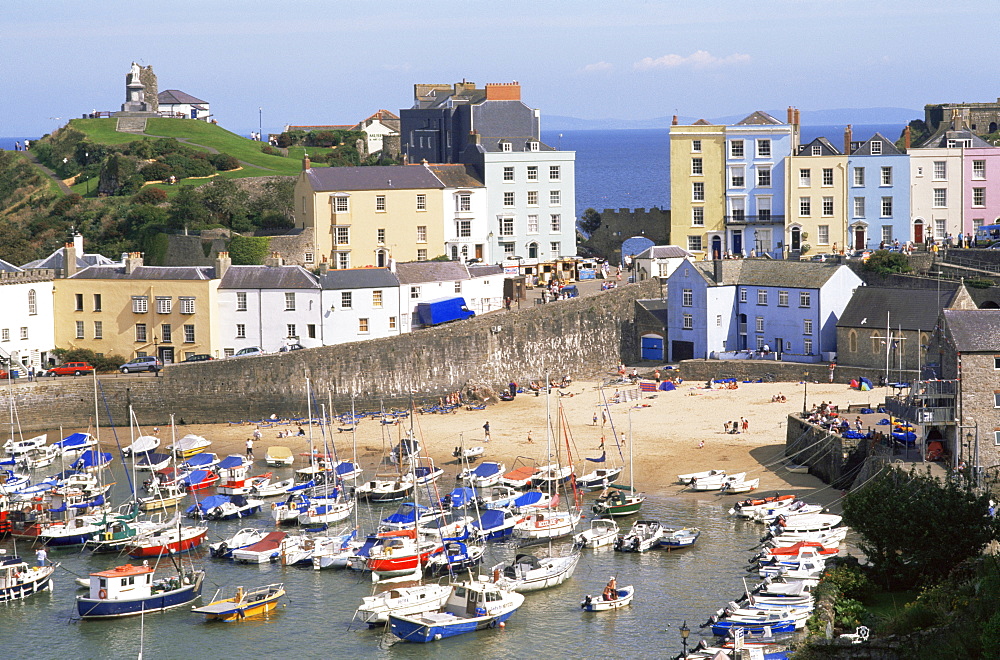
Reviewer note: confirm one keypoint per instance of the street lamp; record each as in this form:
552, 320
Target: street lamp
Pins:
805, 392
260, 122
685, 631
86, 160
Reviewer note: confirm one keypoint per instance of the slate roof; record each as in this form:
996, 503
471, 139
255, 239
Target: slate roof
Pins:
58, 258
663, 252
358, 278
418, 272
441, 98
173, 96
757, 117
765, 272
456, 176
655, 307
888, 148
378, 177
519, 143
117, 272
268, 277
703, 122
940, 139
973, 330
910, 309
7, 267
484, 270
827, 148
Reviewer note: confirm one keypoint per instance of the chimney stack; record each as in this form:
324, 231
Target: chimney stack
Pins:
798, 116
78, 243
503, 91
906, 137
222, 264
274, 260
69, 259
848, 136
132, 261
790, 115
324, 266
674, 121
306, 163
717, 271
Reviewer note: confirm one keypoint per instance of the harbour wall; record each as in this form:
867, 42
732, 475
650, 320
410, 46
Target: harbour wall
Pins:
584, 337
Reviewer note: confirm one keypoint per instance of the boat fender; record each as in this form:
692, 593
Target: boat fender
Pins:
502, 625
437, 637
102, 594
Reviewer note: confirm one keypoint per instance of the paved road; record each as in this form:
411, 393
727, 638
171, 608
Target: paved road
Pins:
49, 173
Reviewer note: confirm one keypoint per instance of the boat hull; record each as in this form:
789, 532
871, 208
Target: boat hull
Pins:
92, 608
625, 594
412, 630
183, 545
29, 587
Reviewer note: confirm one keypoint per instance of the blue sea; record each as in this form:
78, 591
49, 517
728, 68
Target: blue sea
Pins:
631, 168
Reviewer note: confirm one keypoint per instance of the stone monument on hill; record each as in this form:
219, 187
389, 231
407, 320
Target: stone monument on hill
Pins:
135, 91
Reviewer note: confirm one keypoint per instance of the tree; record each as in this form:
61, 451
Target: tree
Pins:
915, 528
887, 263
590, 221
187, 209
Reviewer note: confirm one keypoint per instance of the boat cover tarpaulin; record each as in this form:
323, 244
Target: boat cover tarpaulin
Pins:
603, 457
92, 458
406, 514
529, 498
491, 519
461, 496
152, 458
345, 467
486, 469
209, 503
194, 477
198, 460
230, 462
73, 440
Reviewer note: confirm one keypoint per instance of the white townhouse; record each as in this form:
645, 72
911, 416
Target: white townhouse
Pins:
360, 303
420, 281
483, 291
466, 213
27, 326
658, 261
728, 306
269, 306
935, 192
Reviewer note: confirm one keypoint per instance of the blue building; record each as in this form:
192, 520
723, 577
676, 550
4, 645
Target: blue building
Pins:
719, 308
878, 191
756, 151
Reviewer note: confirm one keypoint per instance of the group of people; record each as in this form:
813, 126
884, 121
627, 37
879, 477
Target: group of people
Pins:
19, 147
741, 426
778, 398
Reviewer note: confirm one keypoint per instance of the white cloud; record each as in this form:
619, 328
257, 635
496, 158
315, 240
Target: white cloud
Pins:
700, 59
597, 67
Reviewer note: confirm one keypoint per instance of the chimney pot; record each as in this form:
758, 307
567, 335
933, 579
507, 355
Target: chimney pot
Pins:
674, 121
848, 136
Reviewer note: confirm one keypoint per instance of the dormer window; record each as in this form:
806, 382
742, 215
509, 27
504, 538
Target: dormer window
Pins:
532, 146
876, 148
505, 147
817, 150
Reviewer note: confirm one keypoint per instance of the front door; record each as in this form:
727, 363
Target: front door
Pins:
796, 241
479, 250
166, 354
918, 232
737, 241
779, 345
859, 238
716, 247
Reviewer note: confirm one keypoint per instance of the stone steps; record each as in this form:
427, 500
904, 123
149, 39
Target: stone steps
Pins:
131, 125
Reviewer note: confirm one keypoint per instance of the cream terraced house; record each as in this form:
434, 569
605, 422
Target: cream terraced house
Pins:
698, 187
132, 310
817, 218
365, 216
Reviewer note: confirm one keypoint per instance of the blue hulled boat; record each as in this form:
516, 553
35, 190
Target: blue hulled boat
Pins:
472, 606
129, 590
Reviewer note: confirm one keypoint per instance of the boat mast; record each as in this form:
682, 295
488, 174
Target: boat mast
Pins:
312, 449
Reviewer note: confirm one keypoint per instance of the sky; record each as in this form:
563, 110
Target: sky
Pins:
267, 63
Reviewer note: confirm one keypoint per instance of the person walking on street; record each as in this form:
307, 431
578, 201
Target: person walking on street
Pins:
486, 428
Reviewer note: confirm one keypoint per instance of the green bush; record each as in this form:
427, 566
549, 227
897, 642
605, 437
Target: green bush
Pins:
156, 171
149, 195
248, 250
887, 263
224, 162
851, 581
270, 151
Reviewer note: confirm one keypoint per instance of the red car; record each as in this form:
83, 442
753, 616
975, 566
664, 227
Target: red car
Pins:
74, 368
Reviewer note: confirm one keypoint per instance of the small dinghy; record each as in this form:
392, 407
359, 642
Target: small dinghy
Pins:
278, 456
151, 462
241, 539
189, 445
254, 602
688, 478
483, 475
602, 604
603, 533
268, 549
469, 453
644, 535
679, 538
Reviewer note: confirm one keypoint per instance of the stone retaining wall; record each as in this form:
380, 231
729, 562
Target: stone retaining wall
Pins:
584, 337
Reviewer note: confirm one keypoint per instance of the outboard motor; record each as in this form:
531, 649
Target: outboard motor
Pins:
586, 601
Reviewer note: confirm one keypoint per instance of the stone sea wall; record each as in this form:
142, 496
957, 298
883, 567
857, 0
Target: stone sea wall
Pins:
584, 337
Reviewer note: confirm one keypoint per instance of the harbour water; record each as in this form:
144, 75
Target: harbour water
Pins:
685, 585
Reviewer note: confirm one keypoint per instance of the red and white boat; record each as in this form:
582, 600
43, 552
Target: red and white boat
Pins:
167, 541
794, 549
400, 552
268, 549
243, 485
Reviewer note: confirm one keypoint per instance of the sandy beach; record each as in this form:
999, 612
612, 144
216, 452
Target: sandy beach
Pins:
666, 429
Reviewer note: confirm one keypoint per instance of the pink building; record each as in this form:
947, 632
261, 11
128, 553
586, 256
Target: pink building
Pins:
981, 180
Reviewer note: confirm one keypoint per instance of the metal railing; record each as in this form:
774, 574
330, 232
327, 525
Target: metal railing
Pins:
754, 219
920, 414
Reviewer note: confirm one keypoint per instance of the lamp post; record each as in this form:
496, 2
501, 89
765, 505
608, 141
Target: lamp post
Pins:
260, 122
86, 161
685, 631
805, 392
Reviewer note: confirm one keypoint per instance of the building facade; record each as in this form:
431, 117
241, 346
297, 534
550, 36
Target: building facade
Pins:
26, 324
697, 188
878, 194
981, 174
359, 304
817, 221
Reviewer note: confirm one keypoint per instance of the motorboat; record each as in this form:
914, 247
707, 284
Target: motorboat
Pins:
151, 461
130, 590
622, 598
499, 497
617, 501
268, 488
167, 541
408, 448
278, 456
224, 507
600, 478
326, 510
386, 490
428, 473
162, 497
735, 488
603, 532
686, 479
75, 443
243, 486
409, 515
92, 461
241, 539
198, 479
38, 458
141, 445
468, 453
17, 448
496, 524
471, 606
19, 580
189, 445
717, 482
456, 555
548, 476
347, 470
204, 460
375, 610
459, 498
518, 476
302, 548
547, 524
644, 535
747, 508
531, 573
679, 538
400, 552
243, 604
484, 475
268, 549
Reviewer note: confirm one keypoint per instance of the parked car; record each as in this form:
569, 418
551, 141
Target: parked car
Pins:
75, 368
291, 347
198, 357
144, 363
248, 351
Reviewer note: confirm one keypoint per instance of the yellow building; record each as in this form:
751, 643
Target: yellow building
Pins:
363, 216
134, 310
698, 187
817, 189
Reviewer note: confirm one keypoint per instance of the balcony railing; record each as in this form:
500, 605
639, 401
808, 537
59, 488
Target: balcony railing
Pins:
755, 219
920, 414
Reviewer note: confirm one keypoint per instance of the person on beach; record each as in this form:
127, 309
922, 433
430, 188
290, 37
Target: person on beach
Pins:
250, 448
745, 423
530, 441
595, 418
257, 435
701, 445
486, 428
